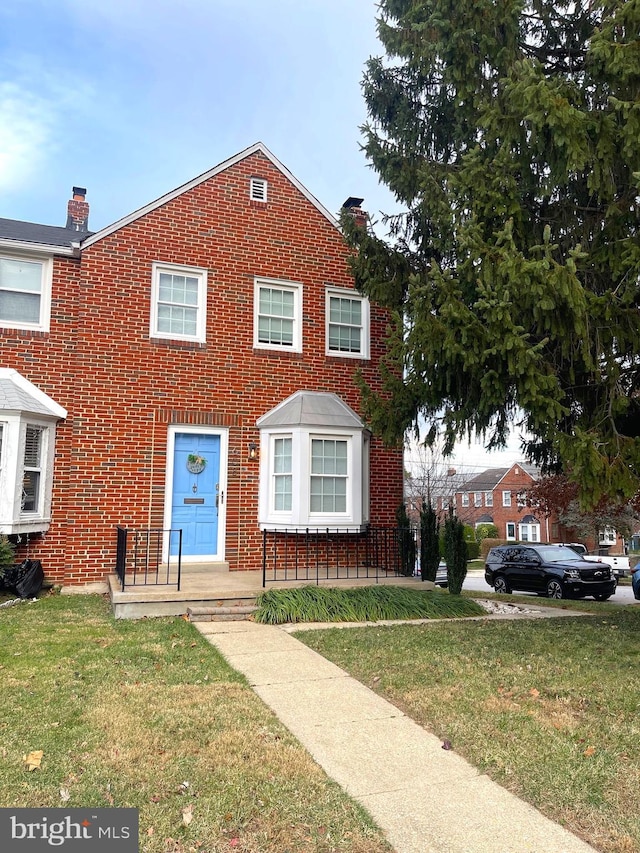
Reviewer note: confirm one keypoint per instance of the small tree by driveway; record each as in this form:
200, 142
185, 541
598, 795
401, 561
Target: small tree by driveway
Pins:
455, 552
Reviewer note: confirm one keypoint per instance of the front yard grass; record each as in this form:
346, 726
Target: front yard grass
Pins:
549, 708
148, 715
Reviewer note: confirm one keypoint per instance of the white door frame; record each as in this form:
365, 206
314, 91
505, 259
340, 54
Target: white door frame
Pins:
223, 434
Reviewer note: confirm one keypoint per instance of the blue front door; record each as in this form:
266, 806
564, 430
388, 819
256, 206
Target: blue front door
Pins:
196, 494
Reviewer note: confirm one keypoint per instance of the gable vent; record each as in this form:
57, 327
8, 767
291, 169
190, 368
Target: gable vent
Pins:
258, 189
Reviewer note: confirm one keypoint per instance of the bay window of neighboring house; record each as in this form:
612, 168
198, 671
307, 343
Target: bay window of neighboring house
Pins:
25, 292
27, 446
314, 465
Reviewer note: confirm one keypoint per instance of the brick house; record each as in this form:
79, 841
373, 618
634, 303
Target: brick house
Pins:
190, 366
498, 496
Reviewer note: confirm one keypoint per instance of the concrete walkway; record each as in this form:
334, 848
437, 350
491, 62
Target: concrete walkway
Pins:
424, 798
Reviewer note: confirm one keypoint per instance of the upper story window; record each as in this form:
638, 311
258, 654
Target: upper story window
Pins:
347, 318
488, 498
506, 499
277, 315
25, 292
258, 189
465, 499
477, 498
178, 303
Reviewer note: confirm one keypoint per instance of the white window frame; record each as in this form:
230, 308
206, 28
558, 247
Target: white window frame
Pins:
607, 536
300, 516
198, 273
506, 498
288, 286
258, 189
465, 499
477, 498
488, 498
529, 532
365, 345
44, 320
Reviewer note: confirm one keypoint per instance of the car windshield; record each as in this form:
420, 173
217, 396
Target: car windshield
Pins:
557, 553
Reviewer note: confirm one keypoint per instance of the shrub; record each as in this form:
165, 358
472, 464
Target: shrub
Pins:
473, 550
7, 555
429, 541
487, 544
455, 553
406, 542
486, 531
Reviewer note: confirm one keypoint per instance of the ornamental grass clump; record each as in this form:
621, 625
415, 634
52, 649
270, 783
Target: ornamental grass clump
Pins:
363, 604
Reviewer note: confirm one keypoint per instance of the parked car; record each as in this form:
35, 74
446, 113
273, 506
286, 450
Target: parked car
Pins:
552, 570
618, 562
635, 581
442, 576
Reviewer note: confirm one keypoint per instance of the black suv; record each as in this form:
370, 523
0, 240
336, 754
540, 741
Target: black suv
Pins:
552, 570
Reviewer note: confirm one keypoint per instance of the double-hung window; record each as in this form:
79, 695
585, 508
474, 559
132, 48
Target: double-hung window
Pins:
465, 499
277, 315
329, 470
32, 470
282, 475
506, 498
178, 303
347, 319
488, 498
477, 498
25, 292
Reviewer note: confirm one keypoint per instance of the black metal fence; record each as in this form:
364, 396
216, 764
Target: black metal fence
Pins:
323, 554
139, 557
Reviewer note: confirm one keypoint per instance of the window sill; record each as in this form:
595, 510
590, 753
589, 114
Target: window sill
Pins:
35, 525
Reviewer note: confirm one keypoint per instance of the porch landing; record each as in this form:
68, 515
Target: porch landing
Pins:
211, 591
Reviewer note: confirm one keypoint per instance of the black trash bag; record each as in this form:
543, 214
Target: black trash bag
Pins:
25, 579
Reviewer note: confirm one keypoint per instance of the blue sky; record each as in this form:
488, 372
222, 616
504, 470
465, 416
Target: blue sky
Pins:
132, 98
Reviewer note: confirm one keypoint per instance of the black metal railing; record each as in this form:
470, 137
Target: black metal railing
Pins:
139, 560
324, 554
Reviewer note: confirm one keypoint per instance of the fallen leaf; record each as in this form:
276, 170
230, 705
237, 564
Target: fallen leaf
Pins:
589, 751
32, 761
64, 794
150, 831
187, 815
533, 692
446, 744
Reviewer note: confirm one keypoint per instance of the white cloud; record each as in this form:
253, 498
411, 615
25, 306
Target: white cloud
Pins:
26, 128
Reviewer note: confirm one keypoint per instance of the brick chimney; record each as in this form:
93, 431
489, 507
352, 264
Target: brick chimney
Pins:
352, 206
78, 211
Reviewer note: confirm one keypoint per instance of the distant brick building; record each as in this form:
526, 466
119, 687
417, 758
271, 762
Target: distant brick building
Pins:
190, 366
498, 496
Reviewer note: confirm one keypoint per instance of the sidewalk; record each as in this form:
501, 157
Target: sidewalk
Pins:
425, 799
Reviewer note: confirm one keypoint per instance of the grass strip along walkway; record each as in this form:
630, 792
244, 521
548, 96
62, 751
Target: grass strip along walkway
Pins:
148, 715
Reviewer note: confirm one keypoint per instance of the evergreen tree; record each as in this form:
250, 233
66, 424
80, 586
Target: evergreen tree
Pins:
406, 542
509, 131
429, 541
455, 552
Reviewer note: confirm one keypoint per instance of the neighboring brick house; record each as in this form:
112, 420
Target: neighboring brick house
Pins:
191, 365
498, 496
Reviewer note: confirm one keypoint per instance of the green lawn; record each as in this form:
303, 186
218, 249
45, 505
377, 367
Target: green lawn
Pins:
148, 715
550, 709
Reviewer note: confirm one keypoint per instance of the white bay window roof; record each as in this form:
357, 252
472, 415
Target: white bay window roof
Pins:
28, 420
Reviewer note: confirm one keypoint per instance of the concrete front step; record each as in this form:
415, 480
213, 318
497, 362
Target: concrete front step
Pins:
221, 614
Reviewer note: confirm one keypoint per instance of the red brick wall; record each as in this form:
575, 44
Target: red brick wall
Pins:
122, 389
516, 480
